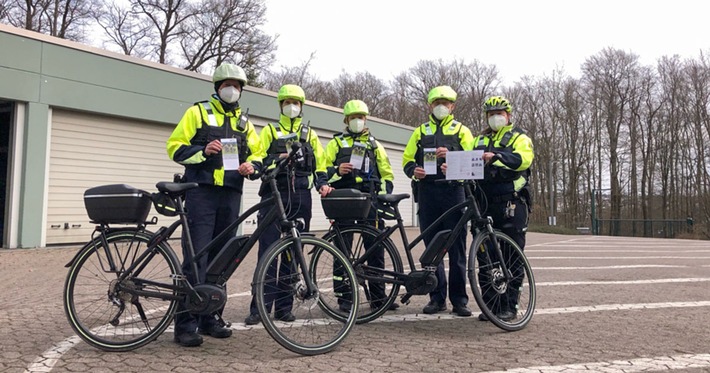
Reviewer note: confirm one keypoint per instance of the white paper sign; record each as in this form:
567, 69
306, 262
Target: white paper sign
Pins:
464, 165
430, 161
230, 154
358, 155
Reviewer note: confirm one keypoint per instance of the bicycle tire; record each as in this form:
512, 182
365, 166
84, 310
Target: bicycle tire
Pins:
516, 296
314, 331
372, 304
104, 316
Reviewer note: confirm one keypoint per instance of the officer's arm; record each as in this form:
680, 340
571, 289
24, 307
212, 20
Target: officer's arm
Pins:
385, 169
408, 161
257, 150
321, 172
466, 138
521, 156
331, 152
178, 145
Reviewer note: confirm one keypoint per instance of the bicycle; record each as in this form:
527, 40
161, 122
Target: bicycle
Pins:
498, 271
123, 287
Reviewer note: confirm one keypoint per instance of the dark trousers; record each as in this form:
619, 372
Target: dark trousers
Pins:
210, 209
515, 227
298, 205
375, 260
434, 200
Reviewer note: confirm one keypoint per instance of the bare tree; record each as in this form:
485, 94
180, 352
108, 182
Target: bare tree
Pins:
124, 29
612, 73
227, 30
165, 18
4, 10
315, 89
362, 86
66, 19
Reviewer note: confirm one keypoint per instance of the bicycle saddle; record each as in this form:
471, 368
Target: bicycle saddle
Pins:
174, 188
392, 198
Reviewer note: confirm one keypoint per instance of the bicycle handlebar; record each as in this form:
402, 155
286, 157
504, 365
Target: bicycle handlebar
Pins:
282, 162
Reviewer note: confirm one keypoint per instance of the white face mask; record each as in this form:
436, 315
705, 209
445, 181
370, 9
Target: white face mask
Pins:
356, 125
229, 94
291, 110
498, 121
440, 112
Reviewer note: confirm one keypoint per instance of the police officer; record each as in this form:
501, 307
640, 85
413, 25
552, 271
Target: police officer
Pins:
374, 175
197, 143
294, 185
422, 160
508, 154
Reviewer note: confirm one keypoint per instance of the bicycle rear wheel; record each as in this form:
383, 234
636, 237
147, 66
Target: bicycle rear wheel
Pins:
102, 310
279, 285
376, 294
509, 304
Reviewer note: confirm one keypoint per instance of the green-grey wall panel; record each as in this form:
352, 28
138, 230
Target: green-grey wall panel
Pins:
33, 176
85, 97
20, 53
63, 62
19, 85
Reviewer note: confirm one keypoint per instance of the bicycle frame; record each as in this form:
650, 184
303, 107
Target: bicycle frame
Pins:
184, 288
471, 213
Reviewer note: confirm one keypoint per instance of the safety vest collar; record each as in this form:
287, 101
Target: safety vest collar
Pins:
448, 123
211, 119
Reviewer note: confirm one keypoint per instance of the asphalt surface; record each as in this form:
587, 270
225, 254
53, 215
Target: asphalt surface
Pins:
611, 304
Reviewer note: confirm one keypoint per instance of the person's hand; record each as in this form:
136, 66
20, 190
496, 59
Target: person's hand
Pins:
419, 173
441, 152
325, 190
345, 168
214, 147
443, 168
246, 168
283, 155
487, 156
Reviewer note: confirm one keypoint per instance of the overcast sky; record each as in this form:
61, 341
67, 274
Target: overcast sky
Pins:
533, 37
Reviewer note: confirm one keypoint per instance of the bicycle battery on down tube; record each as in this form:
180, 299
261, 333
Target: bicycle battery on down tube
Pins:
223, 260
435, 251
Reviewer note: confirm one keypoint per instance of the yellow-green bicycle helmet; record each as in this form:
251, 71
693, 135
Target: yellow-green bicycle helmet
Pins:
497, 103
443, 91
291, 91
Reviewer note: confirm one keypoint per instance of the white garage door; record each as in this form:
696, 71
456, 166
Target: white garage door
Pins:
90, 150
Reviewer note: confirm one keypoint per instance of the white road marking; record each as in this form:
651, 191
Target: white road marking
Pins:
46, 361
615, 257
623, 282
589, 251
658, 363
611, 267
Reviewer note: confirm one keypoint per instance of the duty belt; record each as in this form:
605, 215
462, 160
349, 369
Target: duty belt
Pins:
504, 197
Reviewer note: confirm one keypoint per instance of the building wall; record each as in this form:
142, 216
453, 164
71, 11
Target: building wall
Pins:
85, 117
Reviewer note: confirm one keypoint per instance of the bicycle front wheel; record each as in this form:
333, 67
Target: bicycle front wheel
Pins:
377, 290
508, 303
280, 285
102, 309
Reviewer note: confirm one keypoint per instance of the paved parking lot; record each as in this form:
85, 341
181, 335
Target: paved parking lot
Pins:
611, 304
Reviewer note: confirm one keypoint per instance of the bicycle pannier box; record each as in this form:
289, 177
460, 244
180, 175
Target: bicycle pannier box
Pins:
346, 204
117, 204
